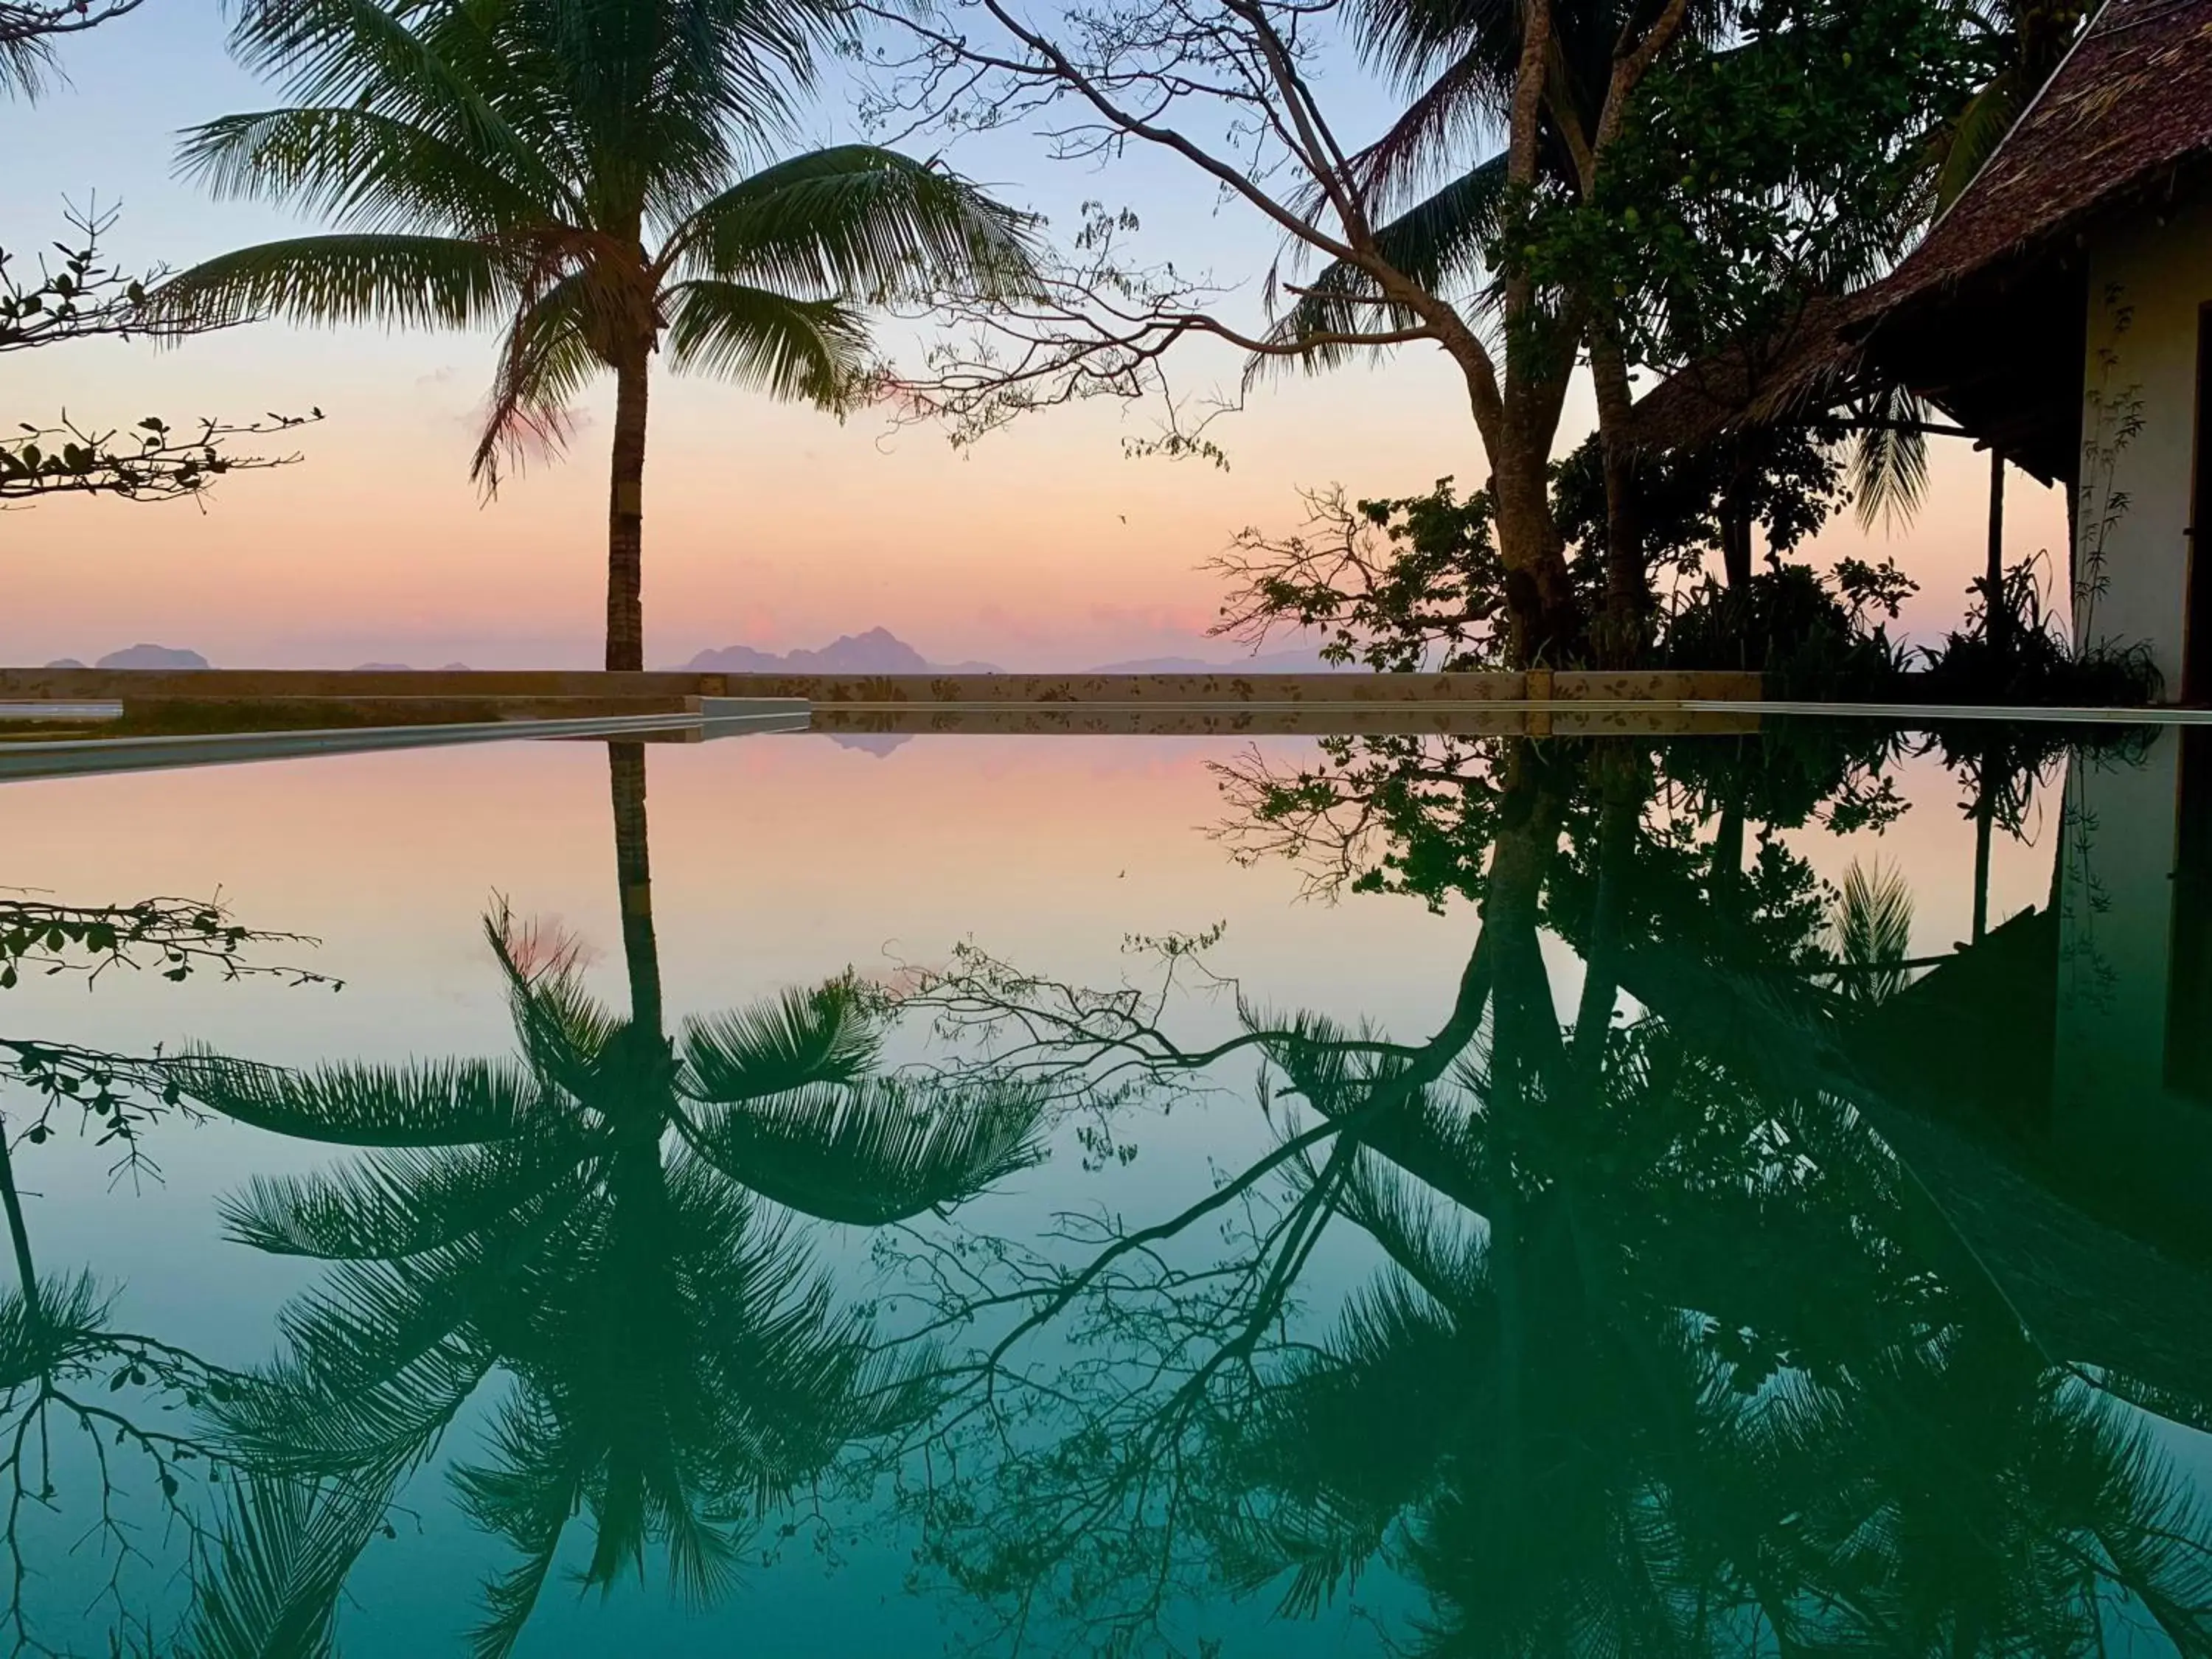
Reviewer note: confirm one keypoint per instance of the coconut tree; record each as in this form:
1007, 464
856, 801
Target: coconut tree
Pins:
613, 1225
572, 171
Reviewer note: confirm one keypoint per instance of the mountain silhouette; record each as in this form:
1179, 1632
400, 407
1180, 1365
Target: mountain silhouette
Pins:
141, 656
879, 651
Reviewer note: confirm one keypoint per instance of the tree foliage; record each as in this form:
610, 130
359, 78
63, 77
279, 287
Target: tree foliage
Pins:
575, 176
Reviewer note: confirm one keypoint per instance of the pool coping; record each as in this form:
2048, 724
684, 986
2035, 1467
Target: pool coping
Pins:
80, 756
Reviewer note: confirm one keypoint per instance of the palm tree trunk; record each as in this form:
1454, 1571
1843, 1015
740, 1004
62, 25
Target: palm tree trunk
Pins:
1625, 793
634, 874
626, 519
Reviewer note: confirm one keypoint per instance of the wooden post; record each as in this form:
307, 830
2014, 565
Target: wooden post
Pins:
1998, 620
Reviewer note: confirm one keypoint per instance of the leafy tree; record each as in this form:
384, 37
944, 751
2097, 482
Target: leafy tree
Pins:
76, 294
568, 170
1778, 154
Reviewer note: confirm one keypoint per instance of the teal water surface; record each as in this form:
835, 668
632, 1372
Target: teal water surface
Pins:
1737, 1193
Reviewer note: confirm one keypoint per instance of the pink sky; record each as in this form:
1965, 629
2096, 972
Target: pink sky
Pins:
767, 526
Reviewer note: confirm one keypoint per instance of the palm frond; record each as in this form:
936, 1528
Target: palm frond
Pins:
368, 171
267, 1584
546, 360
1411, 39
799, 350
562, 1030
429, 1104
1887, 466
442, 69
527, 1495
876, 1151
1437, 242
830, 1033
1974, 135
1350, 1440
27, 64
401, 1203
1871, 929
415, 282
1447, 119
378, 1361
857, 222
71, 1312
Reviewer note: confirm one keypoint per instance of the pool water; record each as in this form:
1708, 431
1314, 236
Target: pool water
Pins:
860, 1192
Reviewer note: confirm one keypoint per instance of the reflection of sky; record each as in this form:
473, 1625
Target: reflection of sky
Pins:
775, 861
767, 526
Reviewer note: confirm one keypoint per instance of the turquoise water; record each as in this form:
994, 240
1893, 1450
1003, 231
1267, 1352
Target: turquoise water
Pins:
823, 1193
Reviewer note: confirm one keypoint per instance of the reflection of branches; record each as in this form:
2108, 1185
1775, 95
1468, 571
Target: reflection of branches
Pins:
55, 1350
117, 1094
1667, 1346
63, 1365
56, 1343
178, 936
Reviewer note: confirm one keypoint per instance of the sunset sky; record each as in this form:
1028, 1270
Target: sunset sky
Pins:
767, 526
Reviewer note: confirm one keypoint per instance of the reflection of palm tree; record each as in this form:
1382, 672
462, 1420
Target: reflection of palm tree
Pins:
591, 1222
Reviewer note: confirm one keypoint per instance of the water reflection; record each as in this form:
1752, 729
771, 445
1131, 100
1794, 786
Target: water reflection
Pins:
1703, 1323
92, 1448
609, 1224
1717, 1276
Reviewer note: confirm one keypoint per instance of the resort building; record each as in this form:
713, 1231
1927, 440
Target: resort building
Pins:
2058, 312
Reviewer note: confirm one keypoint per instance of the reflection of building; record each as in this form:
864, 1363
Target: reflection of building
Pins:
2131, 1074
2049, 1086
2057, 312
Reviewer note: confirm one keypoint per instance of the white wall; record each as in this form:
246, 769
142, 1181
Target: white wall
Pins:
2148, 284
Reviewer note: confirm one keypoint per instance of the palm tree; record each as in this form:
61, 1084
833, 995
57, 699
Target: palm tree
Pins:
566, 169
611, 1224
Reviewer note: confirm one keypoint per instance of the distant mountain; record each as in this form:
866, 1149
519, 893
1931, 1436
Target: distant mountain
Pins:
879, 651
878, 744
381, 668
64, 662
1273, 662
152, 656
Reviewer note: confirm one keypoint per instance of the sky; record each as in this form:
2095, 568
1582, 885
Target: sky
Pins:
766, 524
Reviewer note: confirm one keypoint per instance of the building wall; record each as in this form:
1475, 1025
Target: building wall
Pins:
2148, 284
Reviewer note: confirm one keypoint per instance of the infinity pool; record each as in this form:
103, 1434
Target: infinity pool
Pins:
868, 1193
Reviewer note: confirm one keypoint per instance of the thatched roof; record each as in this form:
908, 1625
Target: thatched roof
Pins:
1803, 368
1986, 318
2126, 118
